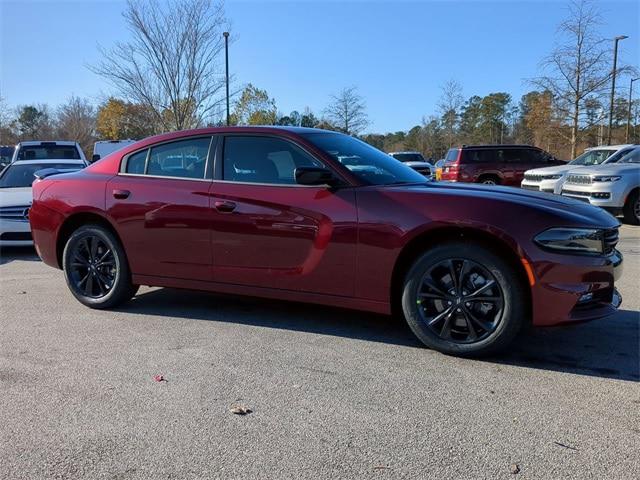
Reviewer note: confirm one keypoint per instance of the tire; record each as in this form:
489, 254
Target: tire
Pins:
495, 323
631, 208
489, 180
96, 268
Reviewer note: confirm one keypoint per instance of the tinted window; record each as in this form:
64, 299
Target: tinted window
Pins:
514, 155
263, 160
136, 162
5, 154
452, 155
17, 175
538, 156
631, 157
482, 156
408, 157
366, 162
184, 158
618, 155
48, 152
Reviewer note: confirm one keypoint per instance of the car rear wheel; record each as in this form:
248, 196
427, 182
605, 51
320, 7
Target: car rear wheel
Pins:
463, 299
490, 180
632, 208
96, 268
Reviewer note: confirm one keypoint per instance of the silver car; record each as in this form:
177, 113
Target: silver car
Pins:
416, 161
550, 179
614, 187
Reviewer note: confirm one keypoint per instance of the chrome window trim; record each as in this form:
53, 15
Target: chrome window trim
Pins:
142, 175
289, 185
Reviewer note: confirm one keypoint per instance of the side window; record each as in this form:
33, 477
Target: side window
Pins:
481, 156
136, 162
263, 160
515, 155
184, 158
616, 156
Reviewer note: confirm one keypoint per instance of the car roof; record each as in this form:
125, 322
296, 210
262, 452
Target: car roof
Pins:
30, 143
514, 145
50, 160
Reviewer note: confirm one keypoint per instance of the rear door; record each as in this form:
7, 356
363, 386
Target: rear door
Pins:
269, 231
160, 205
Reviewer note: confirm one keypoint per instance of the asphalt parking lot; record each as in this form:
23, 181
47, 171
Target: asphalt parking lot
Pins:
333, 393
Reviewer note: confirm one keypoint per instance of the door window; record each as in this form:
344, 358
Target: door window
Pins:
183, 159
256, 159
137, 162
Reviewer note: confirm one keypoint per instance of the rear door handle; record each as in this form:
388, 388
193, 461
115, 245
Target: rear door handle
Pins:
224, 206
121, 194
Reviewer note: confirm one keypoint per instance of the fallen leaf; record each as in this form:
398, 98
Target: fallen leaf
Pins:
159, 378
515, 469
240, 410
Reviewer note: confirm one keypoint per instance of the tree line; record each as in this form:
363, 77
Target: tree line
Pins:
167, 77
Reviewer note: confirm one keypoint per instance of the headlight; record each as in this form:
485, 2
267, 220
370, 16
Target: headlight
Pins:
572, 240
606, 178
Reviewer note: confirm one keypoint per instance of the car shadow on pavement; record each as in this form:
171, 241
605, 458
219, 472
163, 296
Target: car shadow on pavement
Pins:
608, 348
11, 254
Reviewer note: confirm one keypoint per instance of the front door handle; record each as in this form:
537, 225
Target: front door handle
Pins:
224, 206
121, 194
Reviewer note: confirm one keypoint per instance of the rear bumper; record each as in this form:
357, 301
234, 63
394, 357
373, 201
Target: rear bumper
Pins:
44, 225
576, 289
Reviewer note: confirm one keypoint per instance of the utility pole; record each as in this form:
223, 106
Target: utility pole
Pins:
226, 61
626, 137
613, 83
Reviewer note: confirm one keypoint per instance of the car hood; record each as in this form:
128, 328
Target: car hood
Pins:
612, 169
15, 196
572, 211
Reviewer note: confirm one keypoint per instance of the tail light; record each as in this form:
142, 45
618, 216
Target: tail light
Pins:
451, 169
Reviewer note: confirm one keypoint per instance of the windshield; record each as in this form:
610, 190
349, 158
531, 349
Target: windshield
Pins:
48, 152
366, 162
592, 157
631, 157
17, 175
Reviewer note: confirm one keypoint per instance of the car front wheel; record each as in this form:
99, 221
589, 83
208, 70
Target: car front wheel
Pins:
96, 268
632, 208
463, 299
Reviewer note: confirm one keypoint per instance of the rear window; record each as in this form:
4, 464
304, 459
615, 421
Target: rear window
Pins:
452, 155
408, 157
48, 152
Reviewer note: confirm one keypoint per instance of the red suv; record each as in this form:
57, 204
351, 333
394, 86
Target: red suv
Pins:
494, 164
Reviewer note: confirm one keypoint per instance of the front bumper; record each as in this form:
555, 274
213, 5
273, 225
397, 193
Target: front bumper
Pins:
15, 233
609, 195
576, 288
547, 186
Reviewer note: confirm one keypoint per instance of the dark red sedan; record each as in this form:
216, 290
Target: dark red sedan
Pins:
320, 217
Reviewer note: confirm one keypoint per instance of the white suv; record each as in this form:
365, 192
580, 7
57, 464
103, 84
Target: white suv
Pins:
615, 187
550, 179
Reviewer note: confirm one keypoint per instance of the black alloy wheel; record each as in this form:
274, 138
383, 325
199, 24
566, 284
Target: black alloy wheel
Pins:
96, 268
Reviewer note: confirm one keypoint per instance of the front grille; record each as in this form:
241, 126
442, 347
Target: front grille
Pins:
424, 171
533, 177
610, 240
579, 179
16, 236
531, 187
18, 212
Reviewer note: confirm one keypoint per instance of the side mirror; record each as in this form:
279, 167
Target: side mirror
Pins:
314, 176
95, 157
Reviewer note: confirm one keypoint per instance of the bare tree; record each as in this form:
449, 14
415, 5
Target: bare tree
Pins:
77, 122
449, 105
171, 62
347, 111
579, 69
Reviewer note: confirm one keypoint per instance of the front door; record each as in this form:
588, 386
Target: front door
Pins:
160, 205
270, 232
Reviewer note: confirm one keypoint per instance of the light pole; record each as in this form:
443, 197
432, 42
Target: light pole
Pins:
613, 83
626, 137
226, 62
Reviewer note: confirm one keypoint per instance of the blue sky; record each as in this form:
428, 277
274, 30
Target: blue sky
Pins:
398, 53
